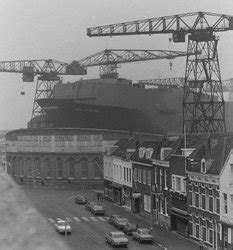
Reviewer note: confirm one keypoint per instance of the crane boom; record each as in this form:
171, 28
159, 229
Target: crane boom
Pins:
176, 24
115, 56
47, 68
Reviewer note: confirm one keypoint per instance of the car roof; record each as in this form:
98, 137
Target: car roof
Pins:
117, 233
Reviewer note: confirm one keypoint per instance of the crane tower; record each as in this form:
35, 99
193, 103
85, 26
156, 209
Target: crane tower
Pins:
203, 111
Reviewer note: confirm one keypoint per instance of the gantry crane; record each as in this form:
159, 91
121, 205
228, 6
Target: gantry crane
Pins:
47, 72
109, 59
202, 111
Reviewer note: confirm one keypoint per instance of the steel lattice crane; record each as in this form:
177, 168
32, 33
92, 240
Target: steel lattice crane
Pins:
202, 71
108, 59
48, 72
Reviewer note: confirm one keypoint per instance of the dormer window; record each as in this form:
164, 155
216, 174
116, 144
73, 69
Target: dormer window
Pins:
187, 151
142, 151
203, 166
149, 152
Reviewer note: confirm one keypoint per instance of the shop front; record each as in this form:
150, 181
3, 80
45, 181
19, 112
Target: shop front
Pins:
179, 221
136, 203
117, 193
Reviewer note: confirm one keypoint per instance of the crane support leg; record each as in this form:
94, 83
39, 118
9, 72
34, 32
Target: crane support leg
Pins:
203, 103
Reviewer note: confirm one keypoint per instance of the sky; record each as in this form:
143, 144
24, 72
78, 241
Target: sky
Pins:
56, 29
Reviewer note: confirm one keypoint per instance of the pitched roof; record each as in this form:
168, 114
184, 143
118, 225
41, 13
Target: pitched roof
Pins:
123, 146
214, 151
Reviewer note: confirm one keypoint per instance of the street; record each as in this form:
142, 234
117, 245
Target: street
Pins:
88, 231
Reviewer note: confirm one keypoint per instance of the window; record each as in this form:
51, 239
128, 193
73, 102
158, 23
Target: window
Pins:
59, 167
217, 206
121, 173
231, 174
156, 182
144, 176
165, 206
20, 166
149, 177
48, 167
135, 174
165, 178
203, 166
203, 203
160, 177
37, 167
197, 199
147, 203
197, 231
84, 168
130, 175
127, 174
204, 233
124, 174
178, 184
139, 175
29, 167
225, 202
71, 164
211, 203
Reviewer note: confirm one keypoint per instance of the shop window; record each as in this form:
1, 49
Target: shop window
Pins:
29, 167
71, 167
84, 168
147, 203
59, 167
20, 166
37, 165
48, 164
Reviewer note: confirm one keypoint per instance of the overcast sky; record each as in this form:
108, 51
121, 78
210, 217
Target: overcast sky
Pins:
32, 29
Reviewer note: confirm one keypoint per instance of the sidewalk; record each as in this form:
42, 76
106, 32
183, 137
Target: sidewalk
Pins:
169, 239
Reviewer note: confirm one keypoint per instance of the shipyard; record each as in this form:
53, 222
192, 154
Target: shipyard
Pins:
117, 126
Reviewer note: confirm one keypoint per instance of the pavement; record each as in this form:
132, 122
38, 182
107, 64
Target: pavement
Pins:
164, 238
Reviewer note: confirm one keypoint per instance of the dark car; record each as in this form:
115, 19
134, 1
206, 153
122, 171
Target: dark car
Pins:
116, 239
143, 235
80, 199
113, 217
97, 209
129, 228
120, 223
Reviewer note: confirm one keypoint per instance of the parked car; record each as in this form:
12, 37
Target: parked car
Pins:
143, 235
97, 209
113, 217
129, 228
120, 223
116, 239
62, 226
80, 199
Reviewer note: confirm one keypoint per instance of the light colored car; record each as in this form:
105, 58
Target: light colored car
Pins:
120, 223
143, 235
116, 238
62, 226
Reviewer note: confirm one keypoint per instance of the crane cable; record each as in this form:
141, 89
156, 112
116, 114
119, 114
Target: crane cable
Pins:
170, 63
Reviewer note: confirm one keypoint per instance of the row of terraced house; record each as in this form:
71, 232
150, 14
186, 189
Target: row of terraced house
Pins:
184, 183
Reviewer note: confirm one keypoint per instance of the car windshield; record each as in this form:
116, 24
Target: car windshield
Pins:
98, 207
145, 231
62, 223
118, 235
122, 220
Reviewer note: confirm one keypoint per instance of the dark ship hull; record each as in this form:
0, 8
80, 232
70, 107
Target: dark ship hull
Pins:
115, 104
